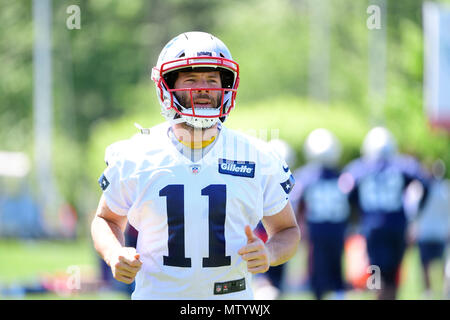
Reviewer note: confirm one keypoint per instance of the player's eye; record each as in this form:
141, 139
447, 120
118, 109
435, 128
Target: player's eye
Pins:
213, 81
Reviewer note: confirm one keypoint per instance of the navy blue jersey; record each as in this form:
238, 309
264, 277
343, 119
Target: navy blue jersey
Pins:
378, 189
319, 197
318, 191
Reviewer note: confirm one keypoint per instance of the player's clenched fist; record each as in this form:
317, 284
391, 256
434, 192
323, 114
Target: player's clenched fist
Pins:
255, 253
125, 264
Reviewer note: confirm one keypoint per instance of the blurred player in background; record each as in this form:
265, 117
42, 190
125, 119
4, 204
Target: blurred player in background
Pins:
319, 200
430, 226
270, 284
193, 189
379, 180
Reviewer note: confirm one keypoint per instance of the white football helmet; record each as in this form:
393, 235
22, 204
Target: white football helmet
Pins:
284, 150
322, 147
378, 144
195, 51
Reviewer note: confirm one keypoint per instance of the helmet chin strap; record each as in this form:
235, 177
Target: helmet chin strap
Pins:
197, 123
192, 121
200, 123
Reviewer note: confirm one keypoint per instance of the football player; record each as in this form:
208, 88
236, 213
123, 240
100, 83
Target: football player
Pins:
194, 189
320, 200
430, 227
379, 179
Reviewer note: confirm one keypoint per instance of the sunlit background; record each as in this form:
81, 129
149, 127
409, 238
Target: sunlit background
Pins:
68, 91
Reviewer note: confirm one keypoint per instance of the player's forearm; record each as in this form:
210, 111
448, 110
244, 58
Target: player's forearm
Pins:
107, 237
283, 245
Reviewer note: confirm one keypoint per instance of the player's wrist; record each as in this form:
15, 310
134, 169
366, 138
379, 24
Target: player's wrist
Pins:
270, 254
111, 255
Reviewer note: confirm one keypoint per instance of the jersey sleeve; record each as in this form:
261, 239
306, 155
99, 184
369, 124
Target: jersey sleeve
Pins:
303, 177
115, 181
278, 183
413, 170
296, 195
350, 178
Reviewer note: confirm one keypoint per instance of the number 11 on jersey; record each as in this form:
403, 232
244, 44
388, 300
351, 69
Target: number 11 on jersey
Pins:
217, 194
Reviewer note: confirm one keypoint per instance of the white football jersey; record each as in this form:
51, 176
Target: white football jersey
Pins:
191, 216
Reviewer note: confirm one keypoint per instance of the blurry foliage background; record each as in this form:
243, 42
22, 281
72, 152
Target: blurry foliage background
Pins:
102, 85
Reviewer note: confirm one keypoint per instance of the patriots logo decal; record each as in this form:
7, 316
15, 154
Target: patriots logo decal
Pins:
103, 182
288, 184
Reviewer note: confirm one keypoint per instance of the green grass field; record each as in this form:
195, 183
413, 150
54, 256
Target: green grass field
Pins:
25, 262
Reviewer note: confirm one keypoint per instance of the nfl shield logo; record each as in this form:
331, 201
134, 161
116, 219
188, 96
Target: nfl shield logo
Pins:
195, 169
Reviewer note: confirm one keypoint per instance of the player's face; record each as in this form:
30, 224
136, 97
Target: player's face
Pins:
202, 98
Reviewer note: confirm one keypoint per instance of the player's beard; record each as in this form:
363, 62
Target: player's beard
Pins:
184, 98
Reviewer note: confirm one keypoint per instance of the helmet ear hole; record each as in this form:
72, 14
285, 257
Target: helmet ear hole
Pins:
170, 79
227, 78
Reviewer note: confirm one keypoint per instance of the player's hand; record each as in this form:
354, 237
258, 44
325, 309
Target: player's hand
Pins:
125, 264
255, 253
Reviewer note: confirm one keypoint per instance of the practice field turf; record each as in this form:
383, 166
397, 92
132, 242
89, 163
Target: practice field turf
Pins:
27, 263
24, 263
